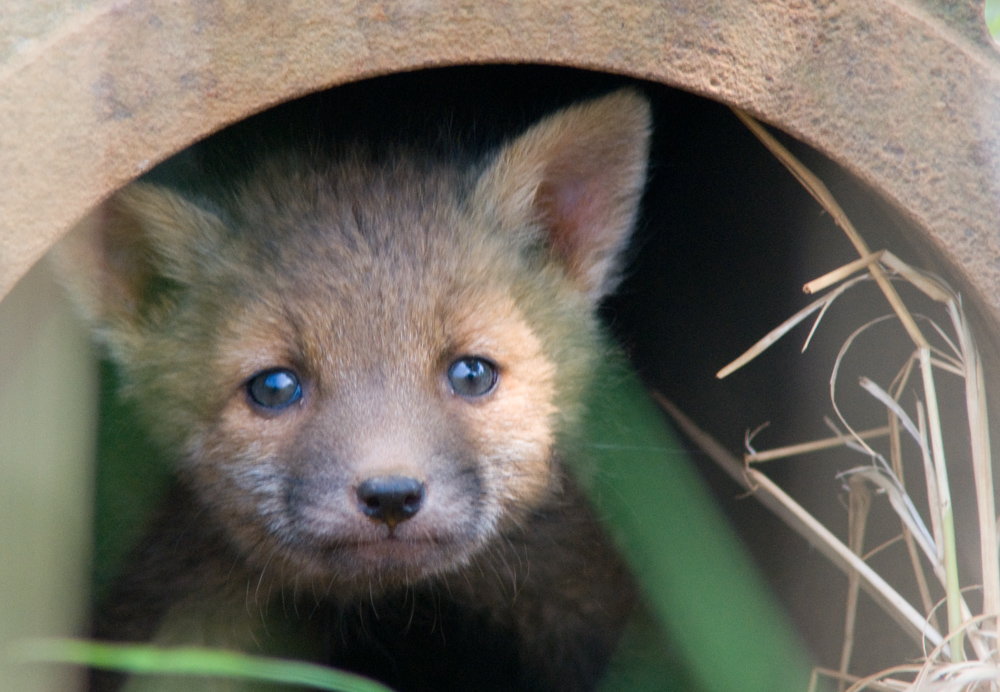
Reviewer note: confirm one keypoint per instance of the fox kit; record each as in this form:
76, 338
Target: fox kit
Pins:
366, 367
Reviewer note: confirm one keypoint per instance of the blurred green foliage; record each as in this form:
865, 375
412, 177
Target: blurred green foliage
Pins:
132, 476
699, 580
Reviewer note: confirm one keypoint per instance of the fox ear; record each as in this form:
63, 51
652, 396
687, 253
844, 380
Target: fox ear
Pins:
578, 174
121, 261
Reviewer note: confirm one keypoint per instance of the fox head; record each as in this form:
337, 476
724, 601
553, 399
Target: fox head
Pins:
364, 366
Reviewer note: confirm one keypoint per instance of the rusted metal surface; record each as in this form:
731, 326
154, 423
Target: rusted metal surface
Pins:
905, 94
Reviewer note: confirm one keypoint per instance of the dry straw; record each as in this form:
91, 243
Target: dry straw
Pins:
963, 655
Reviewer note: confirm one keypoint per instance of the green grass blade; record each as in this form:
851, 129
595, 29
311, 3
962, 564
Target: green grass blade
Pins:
148, 659
731, 633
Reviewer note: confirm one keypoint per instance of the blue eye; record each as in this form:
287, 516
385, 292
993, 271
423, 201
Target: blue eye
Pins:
274, 389
472, 377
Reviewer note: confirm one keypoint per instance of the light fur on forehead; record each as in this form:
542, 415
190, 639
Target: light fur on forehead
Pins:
579, 174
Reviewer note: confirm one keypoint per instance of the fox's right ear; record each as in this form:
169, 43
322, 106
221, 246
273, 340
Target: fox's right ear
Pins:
577, 175
120, 263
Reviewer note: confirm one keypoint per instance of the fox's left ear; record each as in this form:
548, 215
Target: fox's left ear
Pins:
579, 174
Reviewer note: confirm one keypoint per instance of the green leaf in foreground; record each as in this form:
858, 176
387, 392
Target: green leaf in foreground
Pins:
726, 625
145, 658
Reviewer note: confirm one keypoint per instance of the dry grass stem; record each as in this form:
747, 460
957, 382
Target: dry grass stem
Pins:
883, 681
838, 275
795, 516
815, 446
947, 367
784, 328
891, 686
949, 549
929, 286
945, 668
821, 194
979, 435
879, 548
896, 460
889, 486
894, 408
860, 503
929, 476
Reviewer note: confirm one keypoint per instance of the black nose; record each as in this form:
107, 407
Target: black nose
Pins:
390, 500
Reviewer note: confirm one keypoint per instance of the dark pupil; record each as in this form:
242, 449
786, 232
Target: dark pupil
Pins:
471, 377
275, 388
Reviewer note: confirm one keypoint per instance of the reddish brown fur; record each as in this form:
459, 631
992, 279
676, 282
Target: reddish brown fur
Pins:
368, 279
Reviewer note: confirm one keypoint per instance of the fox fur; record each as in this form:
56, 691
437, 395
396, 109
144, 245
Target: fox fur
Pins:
365, 278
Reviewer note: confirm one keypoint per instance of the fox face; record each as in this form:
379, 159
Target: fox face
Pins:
366, 365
